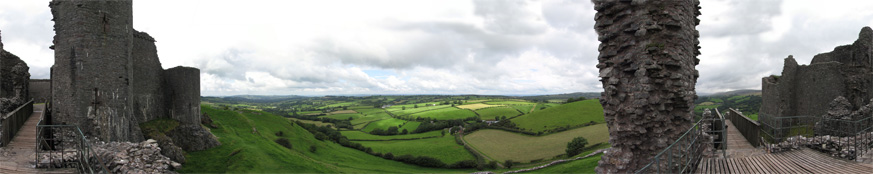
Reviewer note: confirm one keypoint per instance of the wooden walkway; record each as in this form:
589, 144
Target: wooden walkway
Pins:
19, 156
743, 158
798, 161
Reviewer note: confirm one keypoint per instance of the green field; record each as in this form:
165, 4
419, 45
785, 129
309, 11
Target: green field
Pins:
410, 126
318, 123
524, 108
570, 114
495, 112
446, 114
344, 116
586, 165
358, 135
410, 110
443, 148
370, 111
383, 124
241, 151
359, 123
509, 103
502, 145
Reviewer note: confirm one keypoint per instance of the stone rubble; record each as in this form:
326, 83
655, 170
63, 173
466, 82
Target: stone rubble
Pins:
119, 157
841, 147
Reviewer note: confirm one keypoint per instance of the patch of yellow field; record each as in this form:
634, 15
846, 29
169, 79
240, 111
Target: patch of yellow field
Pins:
706, 103
476, 106
344, 112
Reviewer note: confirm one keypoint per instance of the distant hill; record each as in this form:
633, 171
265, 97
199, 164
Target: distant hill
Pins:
251, 98
736, 92
588, 95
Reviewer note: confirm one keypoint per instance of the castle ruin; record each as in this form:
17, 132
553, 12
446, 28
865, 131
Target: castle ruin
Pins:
107, 77
807, 90
648, 52
14, 78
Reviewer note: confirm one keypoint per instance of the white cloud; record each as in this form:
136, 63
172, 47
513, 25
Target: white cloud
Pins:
321, 47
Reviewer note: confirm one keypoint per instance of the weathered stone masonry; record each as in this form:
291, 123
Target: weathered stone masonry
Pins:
647, 57
107, 77
808, 89
13, 81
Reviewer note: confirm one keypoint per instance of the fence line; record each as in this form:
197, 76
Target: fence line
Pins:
12, 122
750, 129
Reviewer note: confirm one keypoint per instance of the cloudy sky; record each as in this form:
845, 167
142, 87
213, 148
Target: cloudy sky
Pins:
321, 47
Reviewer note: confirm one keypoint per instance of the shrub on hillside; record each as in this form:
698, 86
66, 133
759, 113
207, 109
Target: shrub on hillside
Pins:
576, 146
284, 143
465, 164
312, 148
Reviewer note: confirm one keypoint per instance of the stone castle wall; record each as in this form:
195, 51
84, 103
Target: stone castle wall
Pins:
147, 79
107, 77
808, 89
13, 81
648, 52
40, 90
183, 94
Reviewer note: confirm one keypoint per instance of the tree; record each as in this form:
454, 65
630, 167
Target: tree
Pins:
403, 108
404, 132
576, 146
507, 164
415, 106
313, 148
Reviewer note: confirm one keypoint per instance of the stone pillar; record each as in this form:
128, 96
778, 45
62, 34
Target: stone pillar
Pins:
648, 52
183, 94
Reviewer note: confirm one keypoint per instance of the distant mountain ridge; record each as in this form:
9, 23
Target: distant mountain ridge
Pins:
736, 92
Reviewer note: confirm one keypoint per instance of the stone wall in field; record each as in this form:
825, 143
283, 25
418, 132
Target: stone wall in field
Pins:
648, 54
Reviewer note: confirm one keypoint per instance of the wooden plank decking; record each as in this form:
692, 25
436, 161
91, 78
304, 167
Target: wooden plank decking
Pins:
19, 156
743, 158
798, 161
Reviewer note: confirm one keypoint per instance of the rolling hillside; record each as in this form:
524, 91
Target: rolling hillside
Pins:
571, 114
246, 151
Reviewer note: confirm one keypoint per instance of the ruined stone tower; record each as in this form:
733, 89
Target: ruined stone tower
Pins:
14, 78
807, 90
107, 77
648, 52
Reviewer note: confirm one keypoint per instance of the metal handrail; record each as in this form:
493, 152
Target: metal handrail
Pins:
690, 151
12, 122
83, 148
848, 128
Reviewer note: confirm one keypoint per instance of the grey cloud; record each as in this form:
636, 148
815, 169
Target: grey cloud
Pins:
743, 17
750, 57
508, 17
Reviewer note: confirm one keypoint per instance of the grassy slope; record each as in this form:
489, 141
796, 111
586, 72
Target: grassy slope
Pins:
494, 112
443, 148
570, 114
410, 126
383, 124
586, 165
446, 114
502, 145
257, 153
523, 108
358, 135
